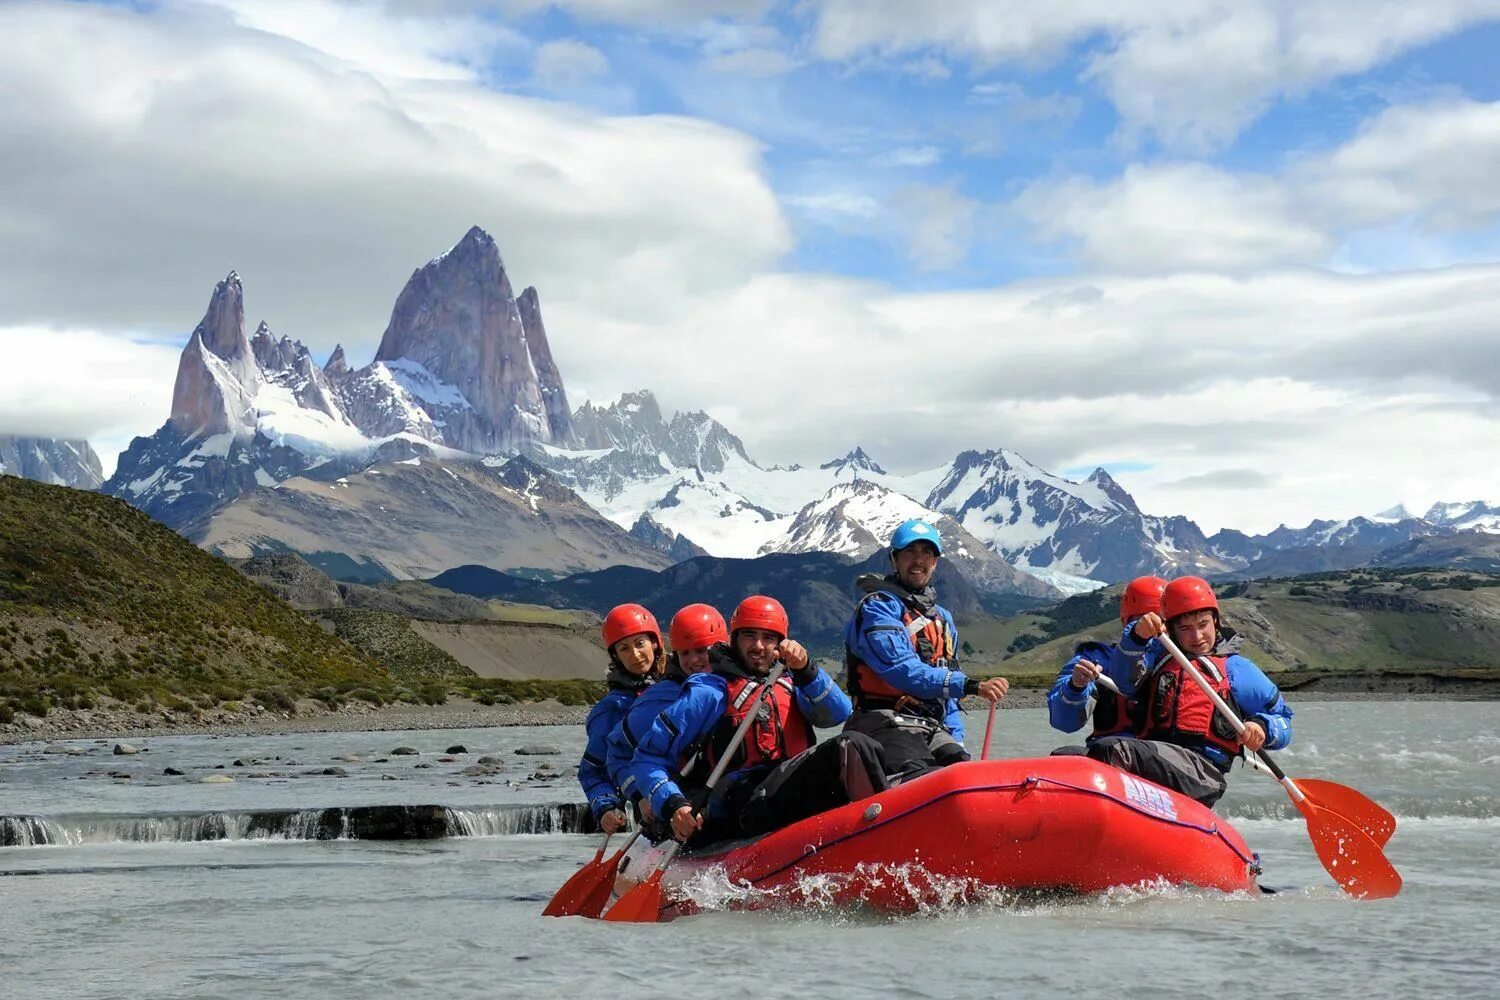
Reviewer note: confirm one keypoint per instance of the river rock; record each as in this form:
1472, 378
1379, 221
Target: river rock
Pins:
216, 779
350, 758
334, 772
481, 770
405, 752
125, 750
421, 765
491, 760
537, 750
459, 748
445, 759
173, 771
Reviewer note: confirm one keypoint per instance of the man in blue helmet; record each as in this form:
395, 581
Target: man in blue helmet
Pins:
900, 651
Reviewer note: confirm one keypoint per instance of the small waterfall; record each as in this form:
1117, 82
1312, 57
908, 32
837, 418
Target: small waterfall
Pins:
423, 822
508, 821
29, 831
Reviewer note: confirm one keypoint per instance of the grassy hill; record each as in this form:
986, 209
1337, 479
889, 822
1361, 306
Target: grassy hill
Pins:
1303, 630
98, 602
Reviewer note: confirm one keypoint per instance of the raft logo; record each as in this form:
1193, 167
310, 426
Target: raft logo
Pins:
1154, 800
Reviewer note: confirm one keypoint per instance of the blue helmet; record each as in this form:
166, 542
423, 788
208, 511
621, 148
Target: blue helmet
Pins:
915, 530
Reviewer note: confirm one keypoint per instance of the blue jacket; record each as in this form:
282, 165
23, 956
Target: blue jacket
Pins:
623, 739
1068, 707
1129, 658
682, 728
1257, 698
606, 714
876, 636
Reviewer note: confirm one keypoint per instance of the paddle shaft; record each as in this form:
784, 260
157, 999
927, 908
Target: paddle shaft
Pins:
1229, 715
729, 751
989, 727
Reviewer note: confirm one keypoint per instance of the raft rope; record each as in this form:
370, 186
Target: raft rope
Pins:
1029, 782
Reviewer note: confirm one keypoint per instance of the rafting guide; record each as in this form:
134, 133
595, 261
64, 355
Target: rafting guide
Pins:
900, 648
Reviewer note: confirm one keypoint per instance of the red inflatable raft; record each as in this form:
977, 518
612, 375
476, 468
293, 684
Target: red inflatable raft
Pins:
1052, 823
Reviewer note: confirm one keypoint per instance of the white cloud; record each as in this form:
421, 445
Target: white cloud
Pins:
1175, 216
436, 43
910, 156
79, 384
146, 154
836, 206
1435, 161
1193, 72
640, 12
937, 223
567, 62
1426, 170
752, 62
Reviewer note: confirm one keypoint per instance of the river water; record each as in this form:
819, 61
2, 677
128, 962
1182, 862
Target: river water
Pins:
127, 900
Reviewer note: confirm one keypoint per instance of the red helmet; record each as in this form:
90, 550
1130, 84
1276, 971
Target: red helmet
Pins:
697, 626
760, 612
627, 620
1141, 595
1186, 594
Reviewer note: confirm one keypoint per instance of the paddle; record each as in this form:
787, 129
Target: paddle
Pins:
642, 904
1361, 810
984, 753
1347, 852
585, 894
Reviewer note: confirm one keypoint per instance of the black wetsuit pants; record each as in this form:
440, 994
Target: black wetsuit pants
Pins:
840, 770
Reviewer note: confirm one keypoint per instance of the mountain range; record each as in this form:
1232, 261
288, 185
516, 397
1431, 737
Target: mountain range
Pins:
49, 460
455, 444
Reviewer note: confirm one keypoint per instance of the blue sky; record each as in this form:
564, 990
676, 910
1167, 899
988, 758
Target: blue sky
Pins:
1245, 254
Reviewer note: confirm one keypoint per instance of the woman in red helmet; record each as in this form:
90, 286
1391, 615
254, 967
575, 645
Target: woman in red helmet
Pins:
1183, 742
1068, 701
636, 659
778, 775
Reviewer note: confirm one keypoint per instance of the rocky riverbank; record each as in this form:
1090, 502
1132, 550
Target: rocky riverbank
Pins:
123, 721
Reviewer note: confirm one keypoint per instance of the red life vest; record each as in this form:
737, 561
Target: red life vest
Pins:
779, 732
933, 640
1177, 710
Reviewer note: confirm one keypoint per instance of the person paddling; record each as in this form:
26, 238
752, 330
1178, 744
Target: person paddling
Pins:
778, 774
900, 648
1183, 742
699, 637
1078, 681
636, 659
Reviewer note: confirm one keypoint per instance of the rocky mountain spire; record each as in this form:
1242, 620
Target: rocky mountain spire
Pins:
217, 376
459, 319
559, 417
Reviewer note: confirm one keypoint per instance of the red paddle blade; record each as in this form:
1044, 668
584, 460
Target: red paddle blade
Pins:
1361, 810
587, 892
568, 899
1355, 861
641, 905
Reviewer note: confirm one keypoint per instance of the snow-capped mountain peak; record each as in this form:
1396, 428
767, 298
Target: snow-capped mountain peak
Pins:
851, 465
1474, 515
